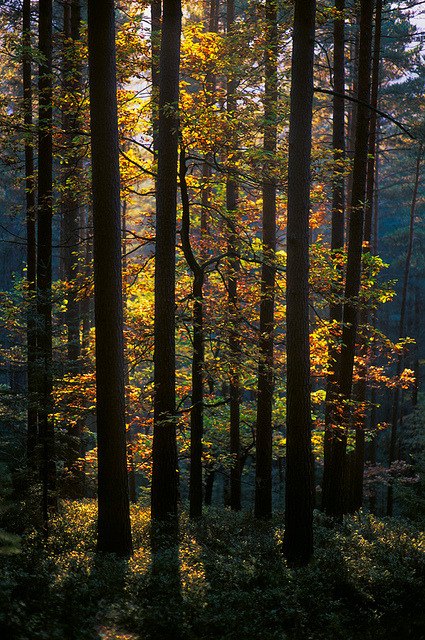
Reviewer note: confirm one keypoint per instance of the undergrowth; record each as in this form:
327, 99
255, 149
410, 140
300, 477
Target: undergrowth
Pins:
221, 578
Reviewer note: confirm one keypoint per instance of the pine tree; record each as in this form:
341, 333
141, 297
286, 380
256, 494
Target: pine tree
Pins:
298, 537
263, 477
44, 260
114, 533
164, 450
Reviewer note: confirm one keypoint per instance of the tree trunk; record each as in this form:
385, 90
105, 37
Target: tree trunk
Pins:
128, 415
156, 47
373, 399
234, 344
298, 537
209, 484
210, 87
71, 169
337, 236
31, 240
336, 502
263, 476
353, 79
357, 489
395, 410
70, 210
44, 259
197, 405
164, 450
416, 357
114, 533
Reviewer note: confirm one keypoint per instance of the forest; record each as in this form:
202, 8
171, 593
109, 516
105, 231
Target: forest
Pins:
212, 417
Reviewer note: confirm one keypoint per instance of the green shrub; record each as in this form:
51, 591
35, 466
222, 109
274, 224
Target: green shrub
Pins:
221, 578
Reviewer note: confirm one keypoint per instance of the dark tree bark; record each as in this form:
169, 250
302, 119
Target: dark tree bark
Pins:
263, 477
336, 502
337, 236
72, 77
197, 408
87, 302
210, 87
352, 80
114, 533
373, 399
156, 47
359, 453
232, 285
209, 484
416, 358
401, 330
198, 270
128, 416
298, 537
31, 240
370, 182
70, 210
164, 450
234, 348
44, 260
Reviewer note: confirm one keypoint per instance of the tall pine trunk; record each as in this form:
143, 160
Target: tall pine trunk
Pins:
416, 350
336, 503
356, 491
44, 260
401, 330
70, 210
263, 477
155, 52
72, 83
337, 236
232, 284
128, 414
298, 537
30, 204
114, 533
210, 88
164, 449
197, 404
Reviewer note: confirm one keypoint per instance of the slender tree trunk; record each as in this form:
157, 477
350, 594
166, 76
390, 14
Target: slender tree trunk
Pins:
31, 246
337, 237
128, 416
70, 210
156, 47
416, 360
44, 259
395, 411
235, 349
210, 88
263, 479
352, 106
209, 484
114, 533
298, 537
336, 504
234, 344
357, 489
197, 408
370, 182
197, 412
164, 450
72, 167
86, 304
373, 399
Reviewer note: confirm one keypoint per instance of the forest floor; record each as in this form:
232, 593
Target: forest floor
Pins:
221, 578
